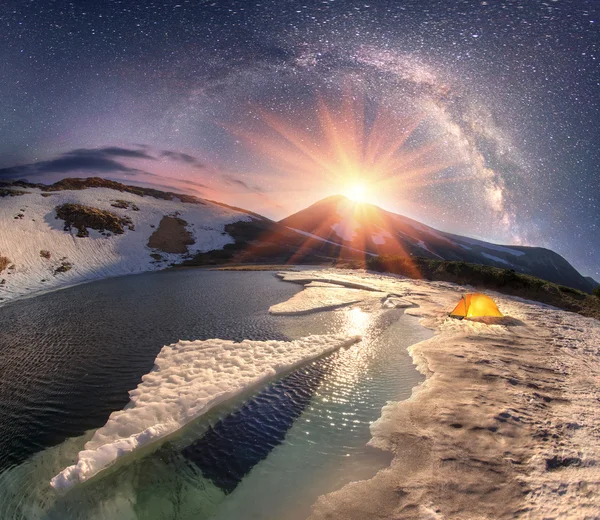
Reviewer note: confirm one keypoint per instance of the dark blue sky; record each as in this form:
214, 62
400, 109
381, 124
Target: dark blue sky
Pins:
164, 92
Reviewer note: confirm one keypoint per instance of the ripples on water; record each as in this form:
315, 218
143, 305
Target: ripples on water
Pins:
69, 358
299, 437
229, 450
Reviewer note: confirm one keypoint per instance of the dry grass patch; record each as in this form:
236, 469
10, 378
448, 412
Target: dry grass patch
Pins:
4, 263
171, 236
83, 217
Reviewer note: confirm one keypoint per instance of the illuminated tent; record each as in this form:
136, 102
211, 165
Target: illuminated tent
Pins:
475, 304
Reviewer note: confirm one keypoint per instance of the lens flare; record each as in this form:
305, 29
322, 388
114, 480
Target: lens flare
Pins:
356, 192
353, 148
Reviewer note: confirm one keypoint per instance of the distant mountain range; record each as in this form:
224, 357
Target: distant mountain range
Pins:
81, 229
371, 229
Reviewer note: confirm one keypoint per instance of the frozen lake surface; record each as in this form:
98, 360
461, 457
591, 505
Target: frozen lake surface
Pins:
69, 358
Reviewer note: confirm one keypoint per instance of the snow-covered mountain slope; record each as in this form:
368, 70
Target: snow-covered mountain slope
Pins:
40, 255
371, 229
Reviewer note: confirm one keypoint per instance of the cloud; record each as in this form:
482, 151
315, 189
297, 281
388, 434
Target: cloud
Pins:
193, 183
67, 164
111, 151
231, 181
97, 160
105, 161
158, 181
182, 157
187, 182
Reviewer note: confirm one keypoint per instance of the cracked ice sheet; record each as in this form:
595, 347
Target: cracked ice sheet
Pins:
190, 378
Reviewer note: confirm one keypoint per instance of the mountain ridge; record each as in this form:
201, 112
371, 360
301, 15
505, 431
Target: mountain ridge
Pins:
380, 232
330, 229
79, 230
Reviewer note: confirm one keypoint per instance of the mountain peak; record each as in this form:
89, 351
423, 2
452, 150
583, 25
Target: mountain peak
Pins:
343, 199
366, 228
333, 198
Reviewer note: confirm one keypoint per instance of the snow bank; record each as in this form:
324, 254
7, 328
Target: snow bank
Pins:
319, 296
346, 278
189, 378
505, 424
97, 256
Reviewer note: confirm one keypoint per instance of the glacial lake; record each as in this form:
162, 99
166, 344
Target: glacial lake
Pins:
68, 359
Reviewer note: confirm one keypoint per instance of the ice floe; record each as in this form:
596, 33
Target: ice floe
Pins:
190, 378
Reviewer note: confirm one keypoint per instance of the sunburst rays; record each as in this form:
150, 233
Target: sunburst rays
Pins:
349, 147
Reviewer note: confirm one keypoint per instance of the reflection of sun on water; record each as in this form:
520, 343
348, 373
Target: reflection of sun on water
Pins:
357, 322
345, 376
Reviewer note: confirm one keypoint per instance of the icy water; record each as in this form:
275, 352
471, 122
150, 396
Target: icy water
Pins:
68, 358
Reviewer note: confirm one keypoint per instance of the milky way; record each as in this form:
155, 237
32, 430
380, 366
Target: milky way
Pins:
149, 91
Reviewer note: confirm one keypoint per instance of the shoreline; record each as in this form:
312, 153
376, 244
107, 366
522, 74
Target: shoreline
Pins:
41, 292
504, 426
260, 267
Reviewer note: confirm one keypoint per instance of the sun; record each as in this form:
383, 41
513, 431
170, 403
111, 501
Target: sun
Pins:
356, 192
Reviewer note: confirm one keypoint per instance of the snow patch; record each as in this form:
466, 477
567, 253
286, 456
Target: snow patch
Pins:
319, 296
316, 237
188, 379
487, 245
496, 259
430, 231
320, 239
346, 228
379, 238
422, 245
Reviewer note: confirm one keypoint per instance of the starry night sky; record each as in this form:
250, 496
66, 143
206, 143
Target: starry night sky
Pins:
177, 94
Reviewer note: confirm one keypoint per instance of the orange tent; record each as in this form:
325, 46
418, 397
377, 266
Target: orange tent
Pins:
475, 304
